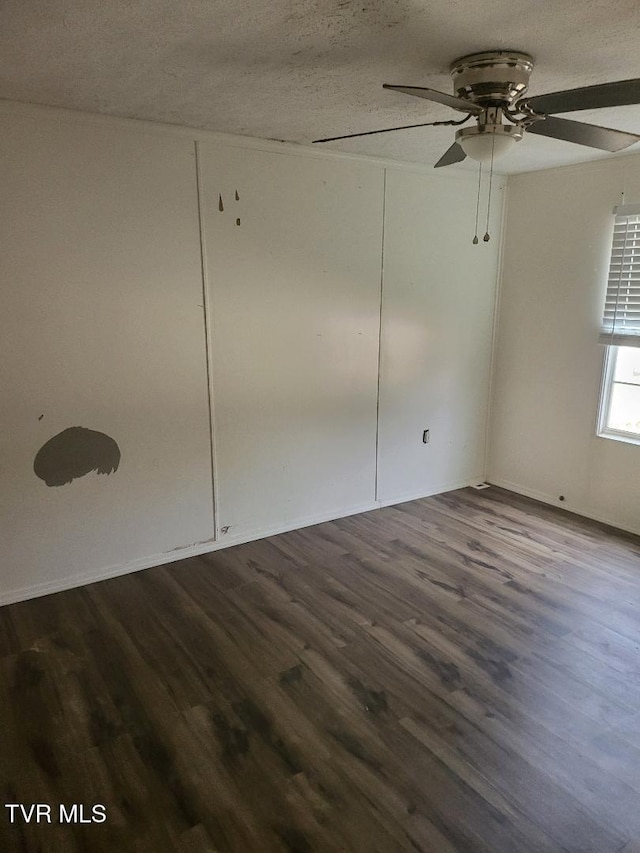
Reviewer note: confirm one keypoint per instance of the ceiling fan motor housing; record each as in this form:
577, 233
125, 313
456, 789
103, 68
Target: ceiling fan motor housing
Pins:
493, 78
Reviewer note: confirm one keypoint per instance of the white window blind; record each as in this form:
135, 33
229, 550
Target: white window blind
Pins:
621, 318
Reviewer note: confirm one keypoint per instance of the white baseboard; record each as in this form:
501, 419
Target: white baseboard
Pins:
575, 509
416, 496
84, 578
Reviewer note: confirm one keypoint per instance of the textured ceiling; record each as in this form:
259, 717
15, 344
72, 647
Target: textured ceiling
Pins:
301, 69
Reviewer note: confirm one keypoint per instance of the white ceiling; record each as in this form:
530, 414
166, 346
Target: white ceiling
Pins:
301, 69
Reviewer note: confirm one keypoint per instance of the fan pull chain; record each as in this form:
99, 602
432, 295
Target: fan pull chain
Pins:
475, 236
487, 236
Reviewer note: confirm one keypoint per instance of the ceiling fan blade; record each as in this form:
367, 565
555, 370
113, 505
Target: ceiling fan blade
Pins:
454, 154
584, 134
618, 94
439, 97
370, 132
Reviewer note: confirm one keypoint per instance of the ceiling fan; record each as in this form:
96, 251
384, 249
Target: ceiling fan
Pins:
491, 87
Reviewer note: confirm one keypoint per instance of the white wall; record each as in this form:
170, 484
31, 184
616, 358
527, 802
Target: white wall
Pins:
548, 360
295, 308
437, 325
103, 326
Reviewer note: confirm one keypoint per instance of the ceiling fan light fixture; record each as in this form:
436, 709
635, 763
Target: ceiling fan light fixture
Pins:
484, 141
481, 147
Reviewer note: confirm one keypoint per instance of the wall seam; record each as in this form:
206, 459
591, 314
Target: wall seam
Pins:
488, 430
384, 203
206, 307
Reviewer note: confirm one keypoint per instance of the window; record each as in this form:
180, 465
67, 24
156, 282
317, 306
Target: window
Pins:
620, 400
620, 408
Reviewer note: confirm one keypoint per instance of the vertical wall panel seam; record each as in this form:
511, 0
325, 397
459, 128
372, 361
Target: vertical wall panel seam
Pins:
208, 343
384, 204
488, 428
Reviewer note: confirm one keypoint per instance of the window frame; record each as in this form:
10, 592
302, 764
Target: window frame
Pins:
606, 393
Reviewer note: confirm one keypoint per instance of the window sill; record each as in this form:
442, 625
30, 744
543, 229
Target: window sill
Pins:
624, 437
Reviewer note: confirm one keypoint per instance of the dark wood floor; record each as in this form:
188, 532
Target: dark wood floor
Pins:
460, 673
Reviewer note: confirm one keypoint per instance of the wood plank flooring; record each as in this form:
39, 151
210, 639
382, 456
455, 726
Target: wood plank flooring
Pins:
459, 673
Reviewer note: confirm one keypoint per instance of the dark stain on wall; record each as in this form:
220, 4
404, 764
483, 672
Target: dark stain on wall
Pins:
73, 453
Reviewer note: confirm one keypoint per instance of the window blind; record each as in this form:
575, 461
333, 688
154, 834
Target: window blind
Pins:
621, 318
